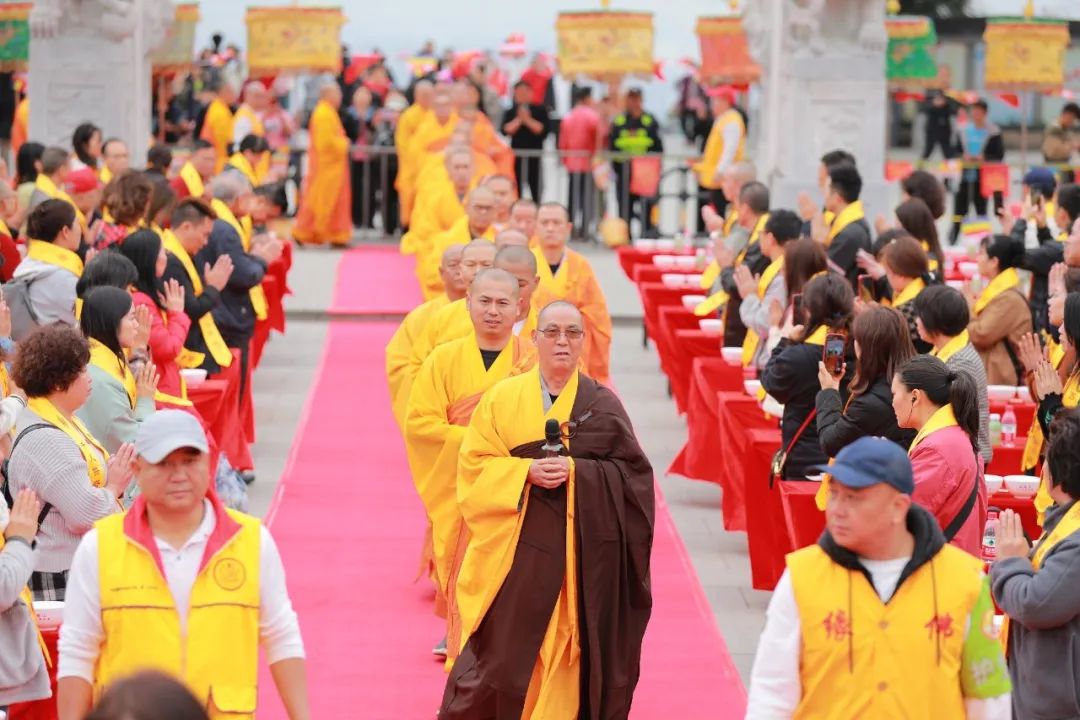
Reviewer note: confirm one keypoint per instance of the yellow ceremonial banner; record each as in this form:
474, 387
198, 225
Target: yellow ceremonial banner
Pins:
605, 43
294, 38
1025, 54
177, 52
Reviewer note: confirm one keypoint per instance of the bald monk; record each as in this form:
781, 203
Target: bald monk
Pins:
196, 172
566, 275
248, 121
523, 218
441, 206
217, 128
408, 123
521, 263
505, 191
510, 237
432, 136
325, 213
553, 590
443, 396
474, 225
400, 345
483, 136
433, 170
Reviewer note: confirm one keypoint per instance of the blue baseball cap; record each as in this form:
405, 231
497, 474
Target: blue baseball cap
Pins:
870, 461
1042, 178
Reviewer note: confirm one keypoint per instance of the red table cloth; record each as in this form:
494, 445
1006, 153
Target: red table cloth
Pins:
671, 318
803, 520
42, 709
657, 295
228, 426
766, 532
655, 273
737, 415
688, 345
1025, 507
1024, 411
709, 376
629, 256
1007, 459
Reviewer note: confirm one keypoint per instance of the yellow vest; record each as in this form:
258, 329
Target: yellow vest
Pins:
862, 658
218, 656
714, 148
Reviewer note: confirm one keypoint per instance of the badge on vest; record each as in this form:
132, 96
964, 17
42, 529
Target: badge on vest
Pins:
229, 574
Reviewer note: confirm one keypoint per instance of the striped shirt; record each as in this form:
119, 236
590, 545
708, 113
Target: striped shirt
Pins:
967, 360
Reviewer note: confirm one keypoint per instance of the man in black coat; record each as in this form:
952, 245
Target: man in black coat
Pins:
753, 209
849, 231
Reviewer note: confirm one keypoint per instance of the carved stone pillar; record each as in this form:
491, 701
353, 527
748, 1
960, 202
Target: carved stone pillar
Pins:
89, 62
823, 88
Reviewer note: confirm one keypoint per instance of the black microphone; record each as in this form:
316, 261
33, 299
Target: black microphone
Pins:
553, 445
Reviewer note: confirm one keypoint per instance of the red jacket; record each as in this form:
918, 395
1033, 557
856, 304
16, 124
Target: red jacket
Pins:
166, 342
945, 466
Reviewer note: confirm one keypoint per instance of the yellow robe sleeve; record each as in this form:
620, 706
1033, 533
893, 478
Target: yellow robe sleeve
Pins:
590, 300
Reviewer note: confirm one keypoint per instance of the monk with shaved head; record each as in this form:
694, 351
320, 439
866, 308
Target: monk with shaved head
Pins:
523, 218
440, 202
509, 237
325, 214
432, 135
505, 195
521, 263
446, 390
475, 224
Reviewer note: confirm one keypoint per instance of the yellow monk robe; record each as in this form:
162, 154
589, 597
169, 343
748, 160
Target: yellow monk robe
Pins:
257, 128
325, 210
20, 126
427, 266
437, 209
493, 501
217, 130
431, 136
442, 400
714, 148
576, 283
399, 349
408, 123
485, 140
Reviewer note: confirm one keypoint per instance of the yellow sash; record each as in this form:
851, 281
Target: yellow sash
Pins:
75, 430
193, 180
909, 293
107, 360
1034, 444
45, 184
942, 418
952, 347
750, 342
1068, 525
105, 174
712, 272
1005, 280
754, 235
51, 254
852, 213
241, 163
244, 230
211, 335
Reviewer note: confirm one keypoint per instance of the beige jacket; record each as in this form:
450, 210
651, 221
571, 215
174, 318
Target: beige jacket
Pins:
1005, 319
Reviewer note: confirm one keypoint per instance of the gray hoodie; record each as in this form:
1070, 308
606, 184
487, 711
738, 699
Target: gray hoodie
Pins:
1044, 630
52, 293
23, 676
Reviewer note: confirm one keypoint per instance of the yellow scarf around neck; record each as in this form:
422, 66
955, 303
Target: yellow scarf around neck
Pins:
117, 368
51, 254
942, 418
1006, 280
1066, 527
193, 180
909, 293
244, 230
751, 341
852, 213
45, 184
74, 429
952, 347
239, 161
211, 335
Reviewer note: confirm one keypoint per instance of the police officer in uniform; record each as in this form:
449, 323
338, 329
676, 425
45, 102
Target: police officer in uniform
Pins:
633, 133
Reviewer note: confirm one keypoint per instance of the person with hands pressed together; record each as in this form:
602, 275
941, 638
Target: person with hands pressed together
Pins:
1001, 314
56, 456
554, 587
182, 585
1036, 587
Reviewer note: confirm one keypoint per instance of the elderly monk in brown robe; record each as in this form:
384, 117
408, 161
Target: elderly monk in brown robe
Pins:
554, 590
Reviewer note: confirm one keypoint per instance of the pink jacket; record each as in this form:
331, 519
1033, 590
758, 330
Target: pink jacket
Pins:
945, 466
166, 343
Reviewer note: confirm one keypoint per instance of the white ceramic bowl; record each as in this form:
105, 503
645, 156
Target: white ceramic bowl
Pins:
993, 483
673, 279
645, 245
666, 245
1023, 394
968, 268
692, 301
956, 284
1000, 393
1022, 486
711, 325
50, 612
664, 261
731, 354
194, 377
685, 262
751, 387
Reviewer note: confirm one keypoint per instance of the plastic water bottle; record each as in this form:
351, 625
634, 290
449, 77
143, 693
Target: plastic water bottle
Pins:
1008, 427
995, 429
989, 541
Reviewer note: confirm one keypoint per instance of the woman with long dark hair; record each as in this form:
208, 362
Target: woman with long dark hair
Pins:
907, 272
164, 301
881, 345
1058, 389
27, 167
1001, 314
943, 406
119, 398
86, 141
917, 219
791, 372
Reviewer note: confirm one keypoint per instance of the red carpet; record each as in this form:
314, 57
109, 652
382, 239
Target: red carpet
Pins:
375, 279
349, 526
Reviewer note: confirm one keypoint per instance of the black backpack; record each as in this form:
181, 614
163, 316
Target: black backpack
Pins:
5, 484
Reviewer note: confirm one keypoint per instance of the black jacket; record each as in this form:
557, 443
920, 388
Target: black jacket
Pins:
234, 315
1039, 260
791, 377
844, 247
869, 413
195, 306
734, 330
